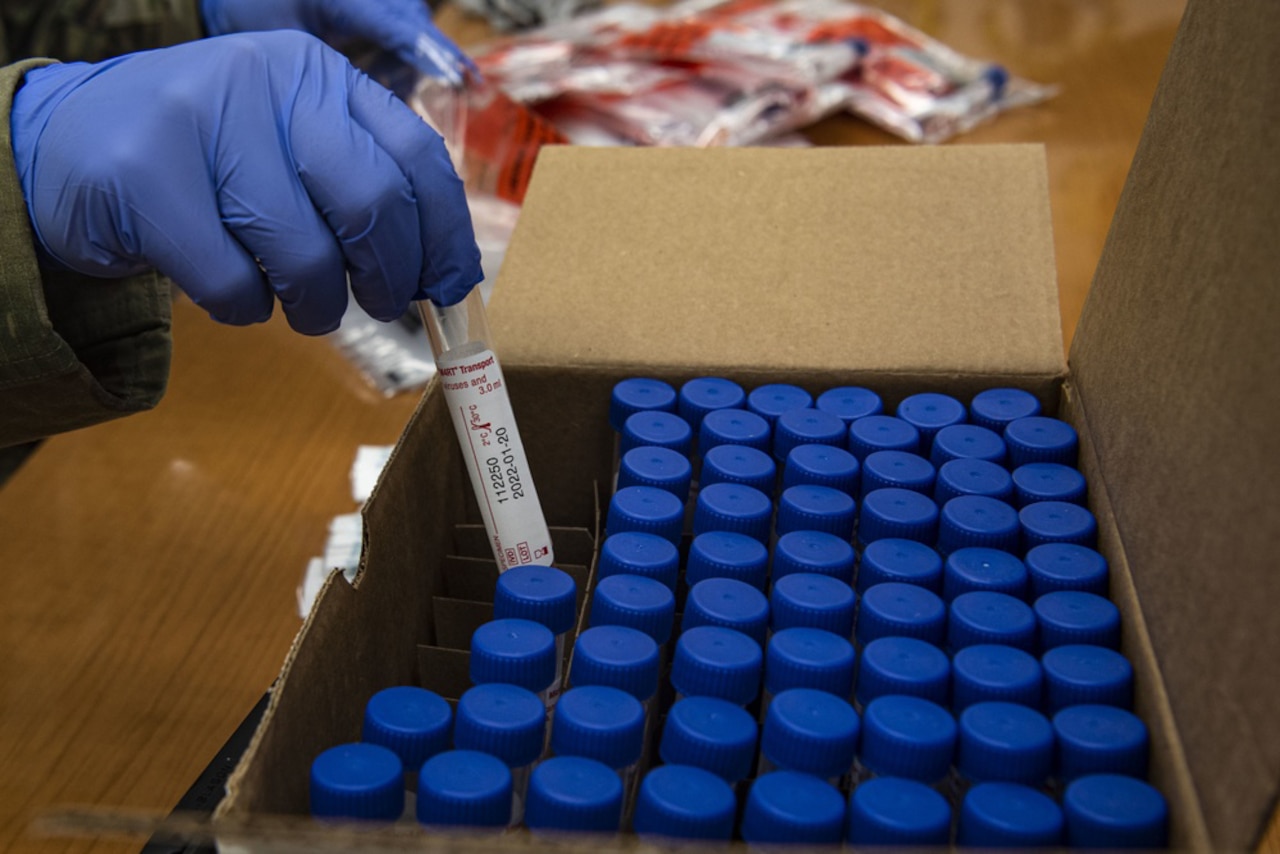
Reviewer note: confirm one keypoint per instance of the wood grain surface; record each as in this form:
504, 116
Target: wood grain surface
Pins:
152, 563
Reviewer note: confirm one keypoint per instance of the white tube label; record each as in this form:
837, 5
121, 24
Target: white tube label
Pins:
481, 410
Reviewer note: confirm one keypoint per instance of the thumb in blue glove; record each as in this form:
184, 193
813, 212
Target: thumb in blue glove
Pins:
246, 168
403, 27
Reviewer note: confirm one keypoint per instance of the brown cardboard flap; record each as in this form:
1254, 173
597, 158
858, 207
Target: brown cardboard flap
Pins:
1174, 361
906, 261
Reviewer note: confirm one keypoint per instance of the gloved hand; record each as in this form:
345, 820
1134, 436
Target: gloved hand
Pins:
244, 167
403, 27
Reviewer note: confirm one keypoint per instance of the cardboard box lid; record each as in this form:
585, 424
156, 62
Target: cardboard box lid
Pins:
1173, 362
622, 260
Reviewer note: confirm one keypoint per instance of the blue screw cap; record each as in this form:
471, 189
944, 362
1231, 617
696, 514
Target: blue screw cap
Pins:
1004, 742
849, 403
1040, 439
1067, 566
542, 594
881, 433
464, 788
1080, 673
810, 731
713, 661
412, 722
517, 652
812, 600
770, 401
1009, 815
802, 657
661, 468
1034, 482
976, 568
733, 507
617, 657
730, 603
1094, 739
904, 610
1057, 522
811, 507
725, 554
741, 465
600, 723
993, 672
898, 469
908, 737
636, 602
994, 408
975, 520
734, 427
357, 781
1070, 616
929, 412
684, 802
506, 721
966, 442
640, 553
972, 477
894, 812
899, 513
813, 552
639, 394
806, 427
793, 808
985, 617
897, 560
701, 395
573, 793
822, 465
1112, 811
710, 733
896, 665
658, 429
648, 510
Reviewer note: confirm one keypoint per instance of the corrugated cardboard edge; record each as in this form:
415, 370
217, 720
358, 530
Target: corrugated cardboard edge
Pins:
1175, 359
1170, 770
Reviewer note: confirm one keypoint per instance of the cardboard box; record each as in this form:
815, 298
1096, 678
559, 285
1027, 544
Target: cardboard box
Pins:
902, 269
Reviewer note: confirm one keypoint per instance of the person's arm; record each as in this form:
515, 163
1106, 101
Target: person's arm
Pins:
93, 30
74, 351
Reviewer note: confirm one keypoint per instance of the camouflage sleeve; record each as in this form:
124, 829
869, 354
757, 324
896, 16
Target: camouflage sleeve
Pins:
92, 30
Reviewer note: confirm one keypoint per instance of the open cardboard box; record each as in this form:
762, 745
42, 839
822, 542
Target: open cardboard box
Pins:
901, 269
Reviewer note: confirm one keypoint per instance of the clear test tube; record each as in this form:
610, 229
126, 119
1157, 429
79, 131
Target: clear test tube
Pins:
605, 724
476, 394
541, 594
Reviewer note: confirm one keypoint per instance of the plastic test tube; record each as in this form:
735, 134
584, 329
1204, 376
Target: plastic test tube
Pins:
806, 427
1082, 673
515, 652
618, 657
480, 407
645, 509
881, 433
710, 733
605, 724
712, 661
508, 722
895, 512
733, 427
636, 602
733, 507
542, 594
1039, 439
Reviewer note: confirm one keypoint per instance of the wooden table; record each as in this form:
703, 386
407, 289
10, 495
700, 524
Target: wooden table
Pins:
151, 563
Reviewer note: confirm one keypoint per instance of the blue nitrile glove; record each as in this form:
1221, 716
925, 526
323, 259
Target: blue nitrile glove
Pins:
403, 27
244, 167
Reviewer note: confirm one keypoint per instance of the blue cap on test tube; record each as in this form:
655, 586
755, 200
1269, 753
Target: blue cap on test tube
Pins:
639, 394
725, 554
701, 395
789, 807
984, 616
1040, 439
506, 721
730, 603
1004, 742
639, 553
815, 601
986, 672
1034, 482
1008, 815
849, 403
733, 507
601, 723
904, 610
890, 811
738, 464
543, 594
1093, 739
972, 477
929, 412
770, 401
801, 657
684, 802
908, 737
357, 781
897, 665
898, 469
882, 433
1067, 566
412, 722
810, 731
734, 427
1069, 616
657, 429
464, 788
822, 465
712, 734
899, 513
994, 408
816, 552
966, 442
713, 661
516, 652
616, 657
975, 520
1057, 522
640, 603
574, 794
809, 507
905, 561
646, 509
662, 468
806, 427
978, 568
1109, 811
1081, 673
